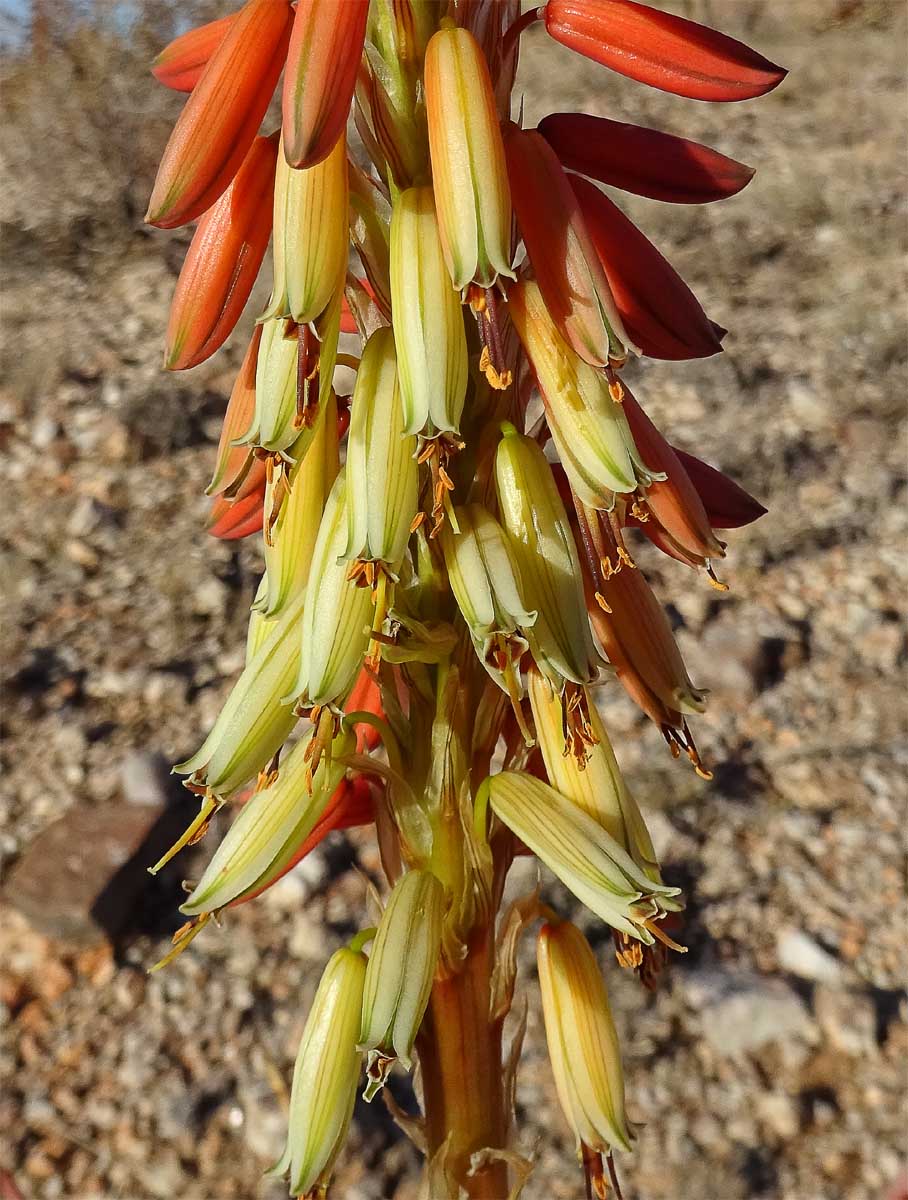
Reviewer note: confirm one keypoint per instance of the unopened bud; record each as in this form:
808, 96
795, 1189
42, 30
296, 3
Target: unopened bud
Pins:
400, 973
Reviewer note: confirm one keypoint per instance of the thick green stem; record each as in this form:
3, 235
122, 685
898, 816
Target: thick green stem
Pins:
462, 1074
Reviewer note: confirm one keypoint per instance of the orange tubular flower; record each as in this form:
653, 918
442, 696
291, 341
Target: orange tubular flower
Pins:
179, 66
662, 50
660, 311
674, 502
631, 623
223, 261
727, 504
222, 115
647, 162
231, 520
234, 470
567, 268
325, 50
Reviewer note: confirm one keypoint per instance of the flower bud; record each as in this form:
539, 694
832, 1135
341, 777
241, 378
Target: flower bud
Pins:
593, 781
233, 519
235, 469
180, 64
658, 308
484, 578
589, 428
400, 973
427, 318
284, 411
382, 497
587, 860
223, 261
658, 48
547, 563
582, 1040
568, 272
254, 722
222, 115
630, 621
311, 230
325, 1077
472, 195
673, 501
270, 827
322, 60
337, 618
290, 543
727, 504
645, 161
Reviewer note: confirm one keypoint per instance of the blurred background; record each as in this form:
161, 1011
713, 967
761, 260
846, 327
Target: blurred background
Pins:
771, 1063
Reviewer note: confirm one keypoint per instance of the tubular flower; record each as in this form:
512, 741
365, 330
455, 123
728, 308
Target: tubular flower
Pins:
236, 472
543, 548
647, 162
382, 472
565, 263
284, 411
582, 1043
660, 49
255, 722
222, 115
325, 48
657, 306
223, 261
472, 196
484, 578
587, 860
428, 322
295, 518
337, 619
588, 426
234, 519
310, 236
634, 632
180, 64
400, 973
269, 829
673, 501
325, 1077
727, 504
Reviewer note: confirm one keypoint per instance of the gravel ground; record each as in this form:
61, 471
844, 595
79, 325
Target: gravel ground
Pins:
772, 1062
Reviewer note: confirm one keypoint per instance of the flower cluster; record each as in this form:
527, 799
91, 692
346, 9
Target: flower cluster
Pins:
449, 572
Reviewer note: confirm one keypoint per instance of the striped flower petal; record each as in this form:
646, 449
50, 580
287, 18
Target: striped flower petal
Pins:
662, 50
180, 64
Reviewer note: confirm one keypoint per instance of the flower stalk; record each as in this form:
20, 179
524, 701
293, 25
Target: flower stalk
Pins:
449, 535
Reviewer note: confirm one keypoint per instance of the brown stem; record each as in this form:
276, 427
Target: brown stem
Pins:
462, 1074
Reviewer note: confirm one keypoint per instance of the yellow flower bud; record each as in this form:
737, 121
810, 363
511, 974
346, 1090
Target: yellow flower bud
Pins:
582, 1041
270, 828
590, 430
255, 722
543, 546
382, 474
310, 236
587, 860
427, 318
298, 500
325, 1077
472, 195
400, 973
337, 617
